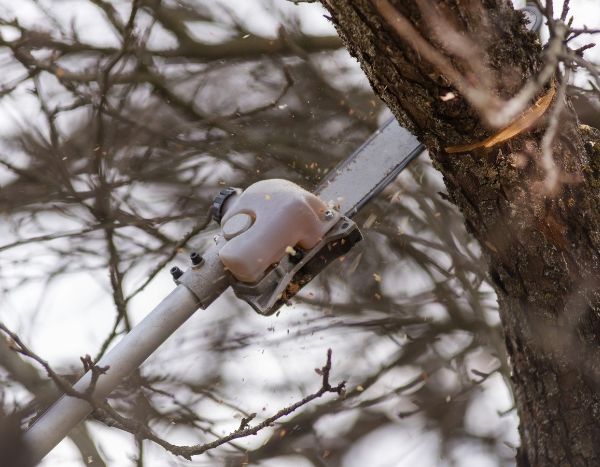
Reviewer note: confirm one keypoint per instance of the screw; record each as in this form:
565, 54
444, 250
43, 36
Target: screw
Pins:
196, 258
176, 272
329, 214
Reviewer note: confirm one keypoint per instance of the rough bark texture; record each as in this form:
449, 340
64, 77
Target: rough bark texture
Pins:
542, 249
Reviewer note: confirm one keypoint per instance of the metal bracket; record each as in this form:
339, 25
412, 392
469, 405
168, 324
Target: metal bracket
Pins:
285, 279
208, 279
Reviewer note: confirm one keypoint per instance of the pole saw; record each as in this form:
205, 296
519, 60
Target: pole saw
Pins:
275, 237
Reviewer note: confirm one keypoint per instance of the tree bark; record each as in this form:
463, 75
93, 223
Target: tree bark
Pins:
542, 247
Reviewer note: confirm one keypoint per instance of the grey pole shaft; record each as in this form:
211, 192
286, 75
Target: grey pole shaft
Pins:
126, 356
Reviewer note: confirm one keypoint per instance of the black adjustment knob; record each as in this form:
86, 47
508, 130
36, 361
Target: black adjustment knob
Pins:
216, 210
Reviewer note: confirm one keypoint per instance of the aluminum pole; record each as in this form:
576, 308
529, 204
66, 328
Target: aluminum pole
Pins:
126, 356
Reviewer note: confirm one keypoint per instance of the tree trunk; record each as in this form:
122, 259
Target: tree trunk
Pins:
542, 246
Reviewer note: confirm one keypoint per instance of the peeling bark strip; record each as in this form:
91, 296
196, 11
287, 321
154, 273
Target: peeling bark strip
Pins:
518, 126
543, 250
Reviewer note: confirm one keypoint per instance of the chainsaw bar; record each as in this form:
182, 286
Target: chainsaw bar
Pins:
366, 172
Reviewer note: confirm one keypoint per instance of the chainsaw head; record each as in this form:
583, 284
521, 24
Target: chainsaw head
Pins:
275, 238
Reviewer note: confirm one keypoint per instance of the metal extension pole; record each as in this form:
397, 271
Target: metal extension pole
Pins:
128, 354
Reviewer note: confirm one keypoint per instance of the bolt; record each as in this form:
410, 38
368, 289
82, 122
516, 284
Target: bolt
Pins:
196, 258
176, 272
329, 214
